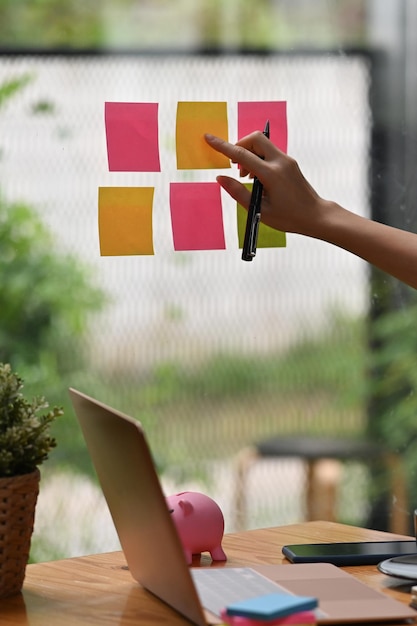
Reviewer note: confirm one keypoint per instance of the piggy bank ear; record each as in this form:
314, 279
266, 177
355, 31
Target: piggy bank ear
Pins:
186, 507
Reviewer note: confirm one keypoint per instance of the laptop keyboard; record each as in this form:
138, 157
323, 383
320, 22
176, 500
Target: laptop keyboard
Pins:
219, 587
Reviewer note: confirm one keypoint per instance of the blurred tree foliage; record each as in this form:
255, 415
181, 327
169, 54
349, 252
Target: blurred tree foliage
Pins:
181, 24
45, 295
46, 300
397, 388
392, 390
50, 23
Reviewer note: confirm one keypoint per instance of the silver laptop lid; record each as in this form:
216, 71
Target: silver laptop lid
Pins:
126, 472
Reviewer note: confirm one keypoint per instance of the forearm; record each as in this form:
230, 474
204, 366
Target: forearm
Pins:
392, 250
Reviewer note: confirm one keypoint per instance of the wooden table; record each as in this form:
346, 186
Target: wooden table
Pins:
99, 590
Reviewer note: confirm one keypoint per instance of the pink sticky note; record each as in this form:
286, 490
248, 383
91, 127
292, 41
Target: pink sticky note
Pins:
252, 116
196, 216
132, 136
297, 619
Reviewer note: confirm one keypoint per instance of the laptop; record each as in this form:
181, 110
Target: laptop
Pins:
123, 462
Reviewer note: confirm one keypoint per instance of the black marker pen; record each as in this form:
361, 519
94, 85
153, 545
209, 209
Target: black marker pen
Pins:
254, 215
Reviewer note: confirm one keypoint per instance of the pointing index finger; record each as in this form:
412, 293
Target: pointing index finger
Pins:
247, 152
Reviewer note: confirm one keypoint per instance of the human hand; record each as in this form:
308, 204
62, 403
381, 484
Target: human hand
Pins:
289, 202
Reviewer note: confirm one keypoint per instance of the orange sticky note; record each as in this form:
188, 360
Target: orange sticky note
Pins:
252, 116
267, 237
194, 119
196, 216
125, 220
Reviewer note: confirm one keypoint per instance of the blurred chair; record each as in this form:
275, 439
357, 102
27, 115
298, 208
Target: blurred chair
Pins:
323, 458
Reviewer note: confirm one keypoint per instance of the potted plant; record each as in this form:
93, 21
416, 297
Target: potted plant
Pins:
25, 442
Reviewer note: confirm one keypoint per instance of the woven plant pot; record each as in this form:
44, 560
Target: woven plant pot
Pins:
18, 497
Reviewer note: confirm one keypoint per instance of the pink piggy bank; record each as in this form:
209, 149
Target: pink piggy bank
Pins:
199, 522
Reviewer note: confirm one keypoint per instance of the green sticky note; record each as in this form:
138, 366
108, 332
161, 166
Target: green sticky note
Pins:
267, 237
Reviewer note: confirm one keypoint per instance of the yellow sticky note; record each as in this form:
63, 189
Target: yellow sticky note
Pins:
125, 220
194, 119
267, 237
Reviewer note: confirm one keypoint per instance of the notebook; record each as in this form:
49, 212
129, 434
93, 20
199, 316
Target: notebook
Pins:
123, 462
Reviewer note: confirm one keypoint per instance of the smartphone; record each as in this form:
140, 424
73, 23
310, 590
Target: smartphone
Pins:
350, 553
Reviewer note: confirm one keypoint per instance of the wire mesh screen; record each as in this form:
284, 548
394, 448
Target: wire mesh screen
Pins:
185, 307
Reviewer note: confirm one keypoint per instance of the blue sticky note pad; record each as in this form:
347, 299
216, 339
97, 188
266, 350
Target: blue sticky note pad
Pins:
271, 606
